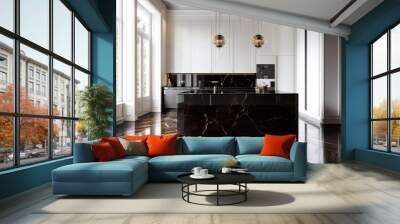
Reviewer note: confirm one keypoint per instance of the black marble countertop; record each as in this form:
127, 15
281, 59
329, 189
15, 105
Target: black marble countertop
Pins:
236, 112
231, 92
180, 88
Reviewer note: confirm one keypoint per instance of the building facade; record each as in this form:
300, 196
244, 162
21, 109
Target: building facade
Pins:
34, 80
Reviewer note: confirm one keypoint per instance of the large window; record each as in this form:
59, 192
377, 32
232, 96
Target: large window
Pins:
143, 61
40, 80
385, 91
7, 14
143, 48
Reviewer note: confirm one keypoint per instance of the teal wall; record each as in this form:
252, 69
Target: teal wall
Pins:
381, 159
355, 84
24, 178
103, 52
103, 65
99, 16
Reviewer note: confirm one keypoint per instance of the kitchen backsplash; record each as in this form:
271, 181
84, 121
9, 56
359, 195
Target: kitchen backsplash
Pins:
243, 80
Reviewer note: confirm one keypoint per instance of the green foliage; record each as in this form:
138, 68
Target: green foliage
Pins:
96, 103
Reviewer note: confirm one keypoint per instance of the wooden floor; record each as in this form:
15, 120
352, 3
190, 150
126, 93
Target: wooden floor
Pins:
378, 189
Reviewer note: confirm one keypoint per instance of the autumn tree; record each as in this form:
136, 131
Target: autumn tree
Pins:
6, 122
380, 127
395, 123
33, 131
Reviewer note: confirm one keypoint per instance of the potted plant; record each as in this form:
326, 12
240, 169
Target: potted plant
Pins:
96, 104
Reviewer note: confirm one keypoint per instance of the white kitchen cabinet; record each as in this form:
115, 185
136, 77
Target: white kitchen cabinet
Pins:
266, 59
243, 50
178, 47
286, 44
285, 70
189, 44
201, 32
271, 38
191, 50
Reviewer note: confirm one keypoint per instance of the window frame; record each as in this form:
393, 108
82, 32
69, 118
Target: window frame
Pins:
140, 37
16, 114
388, 74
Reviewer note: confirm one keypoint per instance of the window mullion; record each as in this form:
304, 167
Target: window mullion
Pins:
371, 86
389, 101
16, 69
73, 82
50, 81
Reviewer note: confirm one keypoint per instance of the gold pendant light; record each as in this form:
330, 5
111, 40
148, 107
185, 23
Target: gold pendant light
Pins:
258, 39
219, 39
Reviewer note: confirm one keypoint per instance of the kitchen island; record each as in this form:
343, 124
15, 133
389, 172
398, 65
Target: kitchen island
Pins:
243, 112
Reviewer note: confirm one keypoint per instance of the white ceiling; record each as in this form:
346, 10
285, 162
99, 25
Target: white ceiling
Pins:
319, 12
174, 6
319, 9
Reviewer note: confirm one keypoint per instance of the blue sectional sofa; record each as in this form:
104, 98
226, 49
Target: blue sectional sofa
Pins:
125, 176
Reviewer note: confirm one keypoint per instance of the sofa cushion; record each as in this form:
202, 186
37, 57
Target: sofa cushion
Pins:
207, 145
104, 152
277, 145
185, 163
116, 145
257, 163
161, 145
249, 145
112, 171
136, 137
136, 147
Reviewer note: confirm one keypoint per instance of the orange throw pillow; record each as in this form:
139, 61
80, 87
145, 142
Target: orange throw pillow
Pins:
277, 145
161, 145
116, 145
136, 137
103, 152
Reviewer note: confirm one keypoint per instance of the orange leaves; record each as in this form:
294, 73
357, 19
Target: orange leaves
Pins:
33, 131
6, 131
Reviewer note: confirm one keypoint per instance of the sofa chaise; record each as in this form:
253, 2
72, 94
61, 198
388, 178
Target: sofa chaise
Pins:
125, 176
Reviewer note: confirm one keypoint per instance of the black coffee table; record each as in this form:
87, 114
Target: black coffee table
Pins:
238, 179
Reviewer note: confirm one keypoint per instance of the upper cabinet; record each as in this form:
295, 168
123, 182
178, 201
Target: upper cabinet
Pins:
286, 40
190, 47
244, 51
200, 33
179, 47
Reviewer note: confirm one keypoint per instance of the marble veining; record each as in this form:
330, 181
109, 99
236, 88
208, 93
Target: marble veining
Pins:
203, 113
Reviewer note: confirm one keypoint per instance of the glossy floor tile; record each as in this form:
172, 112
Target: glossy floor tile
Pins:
152, 123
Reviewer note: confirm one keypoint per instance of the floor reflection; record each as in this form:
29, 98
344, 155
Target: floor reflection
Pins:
323, 141
152, 123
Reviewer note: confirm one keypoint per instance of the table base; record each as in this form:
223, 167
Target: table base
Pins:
241, 191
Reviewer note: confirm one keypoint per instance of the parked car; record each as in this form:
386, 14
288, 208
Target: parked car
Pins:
22, 155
